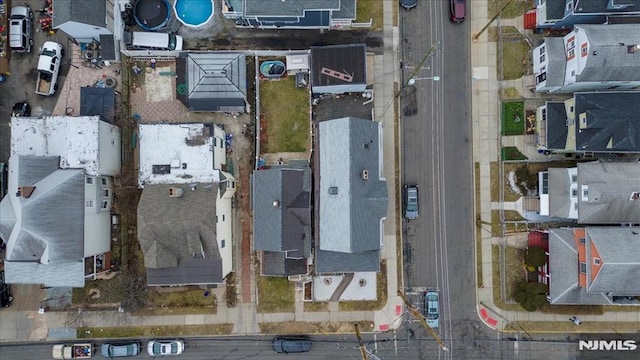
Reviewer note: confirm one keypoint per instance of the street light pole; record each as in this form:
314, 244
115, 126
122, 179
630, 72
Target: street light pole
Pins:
413, 80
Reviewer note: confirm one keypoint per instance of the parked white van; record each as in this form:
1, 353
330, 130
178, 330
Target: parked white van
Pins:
156, 41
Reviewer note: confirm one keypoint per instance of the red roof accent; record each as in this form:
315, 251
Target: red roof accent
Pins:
530, 19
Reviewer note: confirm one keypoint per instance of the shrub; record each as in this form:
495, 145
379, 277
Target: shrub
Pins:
530, 295
535, 257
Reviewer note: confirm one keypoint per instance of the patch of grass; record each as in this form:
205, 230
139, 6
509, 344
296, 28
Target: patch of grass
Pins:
574, 309
187, 297
275, 294
492, 33
496, 182
514, 272
511, 93
299, 327
512, 118
496, 223
370, 10
316, 306
513, 57
567, 327
152, 331
512, 153
512, 10
286, 109
110, 292
497, 299
512, 215
381, 294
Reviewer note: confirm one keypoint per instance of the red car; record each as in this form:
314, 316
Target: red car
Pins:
458, 10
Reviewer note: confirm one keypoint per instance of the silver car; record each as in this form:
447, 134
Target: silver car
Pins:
432, 308
20, 29
411, 202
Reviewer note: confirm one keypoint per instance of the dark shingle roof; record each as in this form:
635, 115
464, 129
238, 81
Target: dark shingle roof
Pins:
212, 81
345, 59
613, 121
276, 8
555, 9
179, 234
276, 264
556, 125
602, 6
83, 11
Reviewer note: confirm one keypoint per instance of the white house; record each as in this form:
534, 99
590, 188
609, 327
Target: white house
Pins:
591, 57
56, 214
185, 214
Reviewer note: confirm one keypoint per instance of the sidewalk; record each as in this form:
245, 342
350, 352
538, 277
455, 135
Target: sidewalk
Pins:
32, 326
486, 148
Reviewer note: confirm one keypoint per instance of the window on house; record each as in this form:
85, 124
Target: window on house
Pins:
583, 241
89, 180
88, 203
541, 78
105, 204
105, 193
222, 243
544, 114
571, 107
223, 217
575, 206
216, 219
574, 178
542, 57
104, 180
574, 192
596, 261
583, 268
584, 50
573, 73
571, 54
585, 193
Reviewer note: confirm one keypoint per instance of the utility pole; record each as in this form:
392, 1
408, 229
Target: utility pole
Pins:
416, 314
366, 354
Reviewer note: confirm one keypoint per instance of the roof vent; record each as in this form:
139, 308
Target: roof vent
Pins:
365, 174
333, 190
276, 203
175, 192
635, 195
365, 146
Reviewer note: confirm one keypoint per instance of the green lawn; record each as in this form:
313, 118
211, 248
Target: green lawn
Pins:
286, 109
370, 10
275, 294
514, 57
153, 331
513, 118
512, 153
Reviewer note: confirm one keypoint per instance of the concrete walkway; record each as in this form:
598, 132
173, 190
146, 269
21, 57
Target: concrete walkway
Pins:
486, 90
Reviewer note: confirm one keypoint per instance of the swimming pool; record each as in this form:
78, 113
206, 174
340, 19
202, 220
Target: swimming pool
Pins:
193, 13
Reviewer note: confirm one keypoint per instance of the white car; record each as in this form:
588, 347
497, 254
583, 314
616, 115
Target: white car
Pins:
165, 347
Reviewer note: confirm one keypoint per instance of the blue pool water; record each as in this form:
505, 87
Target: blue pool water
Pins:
194, 12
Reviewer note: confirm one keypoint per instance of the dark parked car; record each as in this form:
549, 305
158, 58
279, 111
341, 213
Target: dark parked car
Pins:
458, 10
408, 4
119, 350
5, 292
285, 345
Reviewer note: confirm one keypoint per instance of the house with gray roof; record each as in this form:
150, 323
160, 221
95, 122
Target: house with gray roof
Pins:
339, 69
564, 14
351, 196
595, 265
88, 21
56, 220
593, 122
596, 192
185, 213
212, 81
591, 58
281, 199
308, 14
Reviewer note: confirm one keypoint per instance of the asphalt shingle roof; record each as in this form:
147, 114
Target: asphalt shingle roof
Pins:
613, 61
83, 11
557, 130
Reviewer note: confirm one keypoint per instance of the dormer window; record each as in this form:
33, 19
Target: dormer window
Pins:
585, 192
596, 261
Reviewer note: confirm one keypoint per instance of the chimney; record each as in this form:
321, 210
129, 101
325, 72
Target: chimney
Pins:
175, 192
365, 174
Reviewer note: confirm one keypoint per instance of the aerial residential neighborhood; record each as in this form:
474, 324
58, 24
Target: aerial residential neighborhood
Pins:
336, 178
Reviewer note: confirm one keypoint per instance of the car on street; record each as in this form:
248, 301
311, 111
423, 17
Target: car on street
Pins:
119, 350
286, 345
408, 4
165, 347
411, 207
432, 308
458, 10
